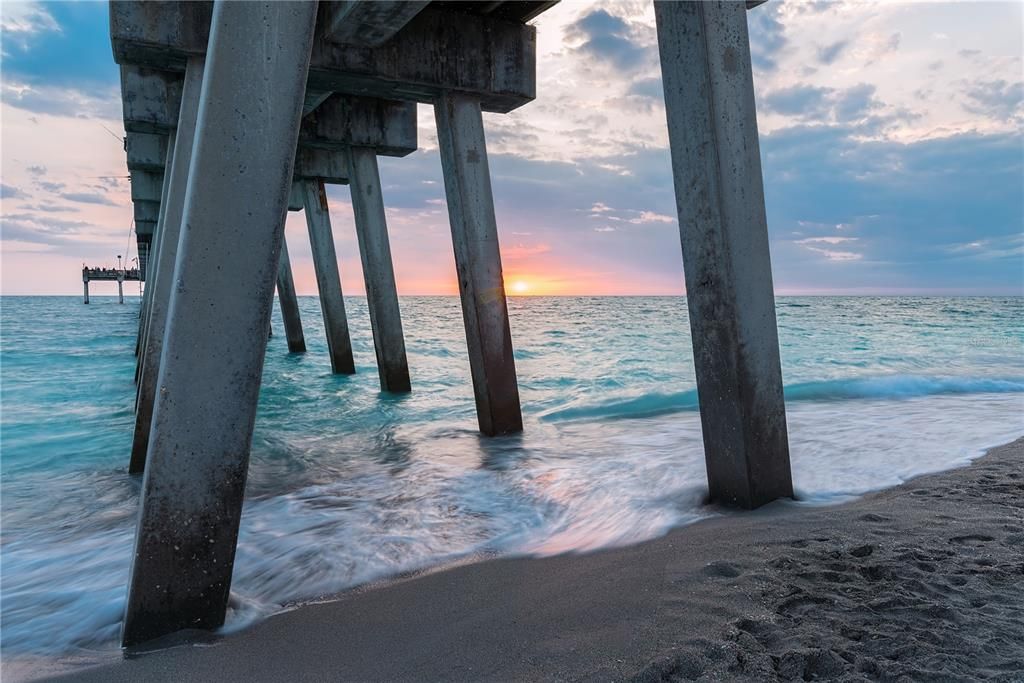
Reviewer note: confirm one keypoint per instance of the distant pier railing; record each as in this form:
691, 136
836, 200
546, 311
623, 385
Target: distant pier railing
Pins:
118, 275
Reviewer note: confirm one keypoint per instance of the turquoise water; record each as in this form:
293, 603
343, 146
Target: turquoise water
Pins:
347, 485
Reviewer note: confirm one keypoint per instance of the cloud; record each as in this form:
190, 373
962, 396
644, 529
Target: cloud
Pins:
58, 45
826, 240
997, 248
814, 244
522, 251
26, 227
804, 101
48, 186
609, 39
88, 198
37, 170
652, 217
856, 105
647, 87
997, 99
830, 53
767, 37
19, 21
10, 192
104, 103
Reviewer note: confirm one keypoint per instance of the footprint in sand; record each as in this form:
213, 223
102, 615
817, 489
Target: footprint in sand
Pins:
872, 517
721, 569
971, 539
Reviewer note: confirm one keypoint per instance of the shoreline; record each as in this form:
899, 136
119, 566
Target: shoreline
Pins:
917, 579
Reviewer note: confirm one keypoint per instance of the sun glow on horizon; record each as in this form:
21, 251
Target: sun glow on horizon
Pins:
520, 287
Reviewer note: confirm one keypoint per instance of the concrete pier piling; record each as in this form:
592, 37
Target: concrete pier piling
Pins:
467, 180
215, 341
712, 124
328, 279
378, 271
289, 303
162, 279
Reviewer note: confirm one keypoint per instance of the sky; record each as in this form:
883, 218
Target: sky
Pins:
892, 144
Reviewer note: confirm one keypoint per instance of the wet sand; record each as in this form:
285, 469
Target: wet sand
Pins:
924, 581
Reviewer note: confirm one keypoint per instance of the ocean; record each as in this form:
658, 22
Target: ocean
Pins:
347, 485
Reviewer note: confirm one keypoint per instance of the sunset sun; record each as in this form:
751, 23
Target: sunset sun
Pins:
520, 287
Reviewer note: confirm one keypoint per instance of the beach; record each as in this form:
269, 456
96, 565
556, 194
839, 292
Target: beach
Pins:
916, 582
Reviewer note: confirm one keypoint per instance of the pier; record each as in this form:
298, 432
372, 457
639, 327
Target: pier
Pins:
118, 275
215, 170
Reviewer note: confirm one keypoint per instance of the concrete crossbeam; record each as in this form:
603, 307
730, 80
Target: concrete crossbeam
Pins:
438, 51
342, 121
712, 126
146, 151
328, 165
365, 23
149, 99
146, 212
147, 186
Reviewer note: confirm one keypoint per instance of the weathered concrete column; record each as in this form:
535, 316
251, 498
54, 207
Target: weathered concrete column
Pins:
120, 289
163, 274
378, 272
289, 302
85, 282
215, 340
328, 280
467, 181
712, 125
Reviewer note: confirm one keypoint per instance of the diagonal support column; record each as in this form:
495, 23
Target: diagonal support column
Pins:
712, 125
289, 303
328, 280
169, 238
467, 182
215, 338
378, 272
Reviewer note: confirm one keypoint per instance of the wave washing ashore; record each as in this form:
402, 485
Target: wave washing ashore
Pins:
347, 486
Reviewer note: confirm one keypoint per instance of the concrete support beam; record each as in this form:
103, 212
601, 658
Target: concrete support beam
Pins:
150, 99
366, 23
328, 279
378, 273
146, 151
160, 289
146, 211
439, 50
85, 299
289, 303
712, 125
343, 121
327, 165
467, 180
215, 340
147, 186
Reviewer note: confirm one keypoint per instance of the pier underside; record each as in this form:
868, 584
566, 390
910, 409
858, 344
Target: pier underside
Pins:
215, 171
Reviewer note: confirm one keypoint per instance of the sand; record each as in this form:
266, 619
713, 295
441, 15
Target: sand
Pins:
924, 581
